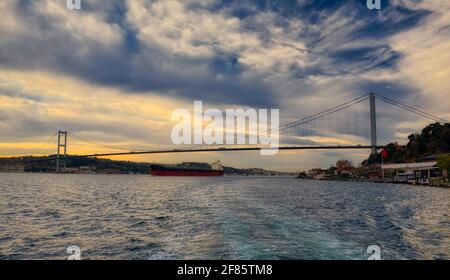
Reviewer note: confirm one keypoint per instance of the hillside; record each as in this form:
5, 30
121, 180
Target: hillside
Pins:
97, 165
433, 139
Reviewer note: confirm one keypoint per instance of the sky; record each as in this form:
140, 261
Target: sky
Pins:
114, 71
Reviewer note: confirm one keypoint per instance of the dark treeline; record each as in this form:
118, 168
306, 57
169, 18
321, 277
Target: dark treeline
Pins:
432, 140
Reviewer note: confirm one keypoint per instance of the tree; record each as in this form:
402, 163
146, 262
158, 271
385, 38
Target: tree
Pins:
433, 139
344, 166
443, 162
344, 163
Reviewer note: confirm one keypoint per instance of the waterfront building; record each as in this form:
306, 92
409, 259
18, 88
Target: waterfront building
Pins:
417, 172
317, 173
12, 168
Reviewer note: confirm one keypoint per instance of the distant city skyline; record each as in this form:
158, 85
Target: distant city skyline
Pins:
115, 71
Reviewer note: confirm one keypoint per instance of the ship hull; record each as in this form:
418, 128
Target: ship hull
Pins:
178, 172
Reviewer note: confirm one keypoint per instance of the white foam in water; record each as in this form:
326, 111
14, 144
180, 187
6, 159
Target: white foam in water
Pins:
218, 218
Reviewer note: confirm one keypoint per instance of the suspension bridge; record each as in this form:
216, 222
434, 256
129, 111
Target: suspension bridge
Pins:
350, 125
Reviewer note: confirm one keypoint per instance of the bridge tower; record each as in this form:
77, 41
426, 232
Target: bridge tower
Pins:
62, 143
373, 124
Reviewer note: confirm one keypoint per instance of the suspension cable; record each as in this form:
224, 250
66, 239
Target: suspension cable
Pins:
46, 144
103, 145
327, 112
411, 109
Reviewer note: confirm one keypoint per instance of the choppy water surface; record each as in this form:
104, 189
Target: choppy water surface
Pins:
143, 217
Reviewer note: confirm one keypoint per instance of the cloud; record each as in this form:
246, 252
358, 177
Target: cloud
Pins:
18, 92
121, 51
197, 49
99, 114
129, 57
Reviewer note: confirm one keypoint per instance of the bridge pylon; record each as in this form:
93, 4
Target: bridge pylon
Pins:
373, 124
62, 143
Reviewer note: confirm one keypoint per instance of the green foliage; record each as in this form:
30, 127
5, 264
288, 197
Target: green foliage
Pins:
433, 139
344, 163
443, 161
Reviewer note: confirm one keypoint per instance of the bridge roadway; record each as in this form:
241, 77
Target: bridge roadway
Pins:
221, 149
225, 149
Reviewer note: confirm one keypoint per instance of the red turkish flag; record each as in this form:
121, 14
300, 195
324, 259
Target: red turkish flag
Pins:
384, 153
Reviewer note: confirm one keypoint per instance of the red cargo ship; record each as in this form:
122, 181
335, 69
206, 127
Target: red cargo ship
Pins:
160, 170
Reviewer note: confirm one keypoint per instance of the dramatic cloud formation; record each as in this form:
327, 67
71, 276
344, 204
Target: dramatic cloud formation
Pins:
115, 70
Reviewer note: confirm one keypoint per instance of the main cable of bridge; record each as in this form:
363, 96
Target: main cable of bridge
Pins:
348, 104
199, 148
96, 144
327, 112
411, 109
286, 126
46, 145
311, 118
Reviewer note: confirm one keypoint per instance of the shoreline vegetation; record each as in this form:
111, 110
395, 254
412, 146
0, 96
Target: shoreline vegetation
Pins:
431, 145
424, 160
47, 164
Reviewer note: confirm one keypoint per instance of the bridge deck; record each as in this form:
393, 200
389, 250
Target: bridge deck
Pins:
225, 149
